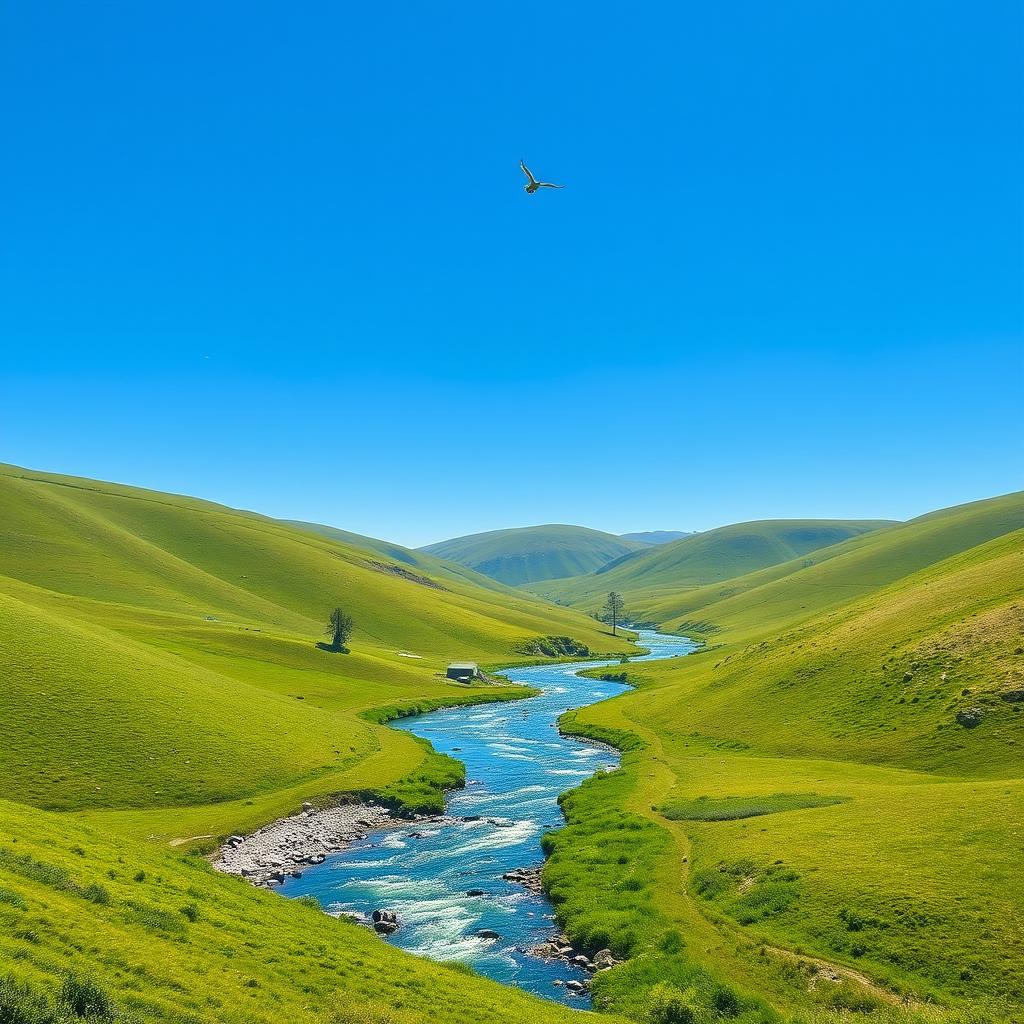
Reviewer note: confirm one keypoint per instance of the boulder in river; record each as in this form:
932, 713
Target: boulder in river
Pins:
487, 933
385, 922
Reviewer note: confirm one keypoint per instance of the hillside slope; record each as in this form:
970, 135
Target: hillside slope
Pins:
831, 576
533, 553
843, 781
427, 563
152, 640
703, 558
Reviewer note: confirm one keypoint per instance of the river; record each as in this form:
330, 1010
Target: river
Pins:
517, 764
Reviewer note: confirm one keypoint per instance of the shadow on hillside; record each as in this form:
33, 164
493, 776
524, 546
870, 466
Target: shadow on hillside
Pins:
332, 649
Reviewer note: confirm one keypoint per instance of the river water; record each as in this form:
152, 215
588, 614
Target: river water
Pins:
517, 764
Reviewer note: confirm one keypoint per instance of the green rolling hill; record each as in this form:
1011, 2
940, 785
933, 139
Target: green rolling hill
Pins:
702, 558
656, 536
839, 774
184, 632
533, 553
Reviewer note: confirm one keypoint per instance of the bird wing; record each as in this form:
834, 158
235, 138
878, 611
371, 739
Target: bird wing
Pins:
527, 172
547, 184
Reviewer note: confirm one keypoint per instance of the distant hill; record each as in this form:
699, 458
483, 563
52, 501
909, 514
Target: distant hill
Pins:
656, 536
704, 558
430, 564
532, 553
793, 590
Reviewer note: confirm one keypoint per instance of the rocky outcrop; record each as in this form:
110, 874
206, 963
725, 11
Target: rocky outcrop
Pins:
970, 717
528, 878
559, 948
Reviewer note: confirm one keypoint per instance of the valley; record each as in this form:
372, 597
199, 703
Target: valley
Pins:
815, 813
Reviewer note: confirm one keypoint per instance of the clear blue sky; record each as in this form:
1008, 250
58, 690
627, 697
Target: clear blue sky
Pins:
279, 255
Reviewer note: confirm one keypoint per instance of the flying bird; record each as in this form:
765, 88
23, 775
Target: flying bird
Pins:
532, 184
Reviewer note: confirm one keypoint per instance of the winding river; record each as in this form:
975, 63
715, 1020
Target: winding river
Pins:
517, 764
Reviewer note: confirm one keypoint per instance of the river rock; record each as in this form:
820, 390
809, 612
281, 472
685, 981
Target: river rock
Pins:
604, 959
385, 922
575, 986
475, 892
488, 933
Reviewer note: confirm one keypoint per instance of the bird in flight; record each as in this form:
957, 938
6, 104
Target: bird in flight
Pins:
532, 184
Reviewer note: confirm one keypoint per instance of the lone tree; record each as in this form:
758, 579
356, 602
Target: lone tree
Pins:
612, 612
340, 629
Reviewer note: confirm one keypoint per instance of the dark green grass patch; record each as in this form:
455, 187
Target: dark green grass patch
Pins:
732, 808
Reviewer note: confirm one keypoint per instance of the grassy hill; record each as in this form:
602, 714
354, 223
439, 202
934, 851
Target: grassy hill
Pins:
655, 536
432, 565
160, 651
702, 558
829, 801
834, 575
534, 553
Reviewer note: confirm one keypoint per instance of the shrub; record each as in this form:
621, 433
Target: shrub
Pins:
725, 1002
12, 899
20, 1005
191, 911
140, 876
669, 1005
96, 894
86, 999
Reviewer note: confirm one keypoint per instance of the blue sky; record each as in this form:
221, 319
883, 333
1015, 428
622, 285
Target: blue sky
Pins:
279, 256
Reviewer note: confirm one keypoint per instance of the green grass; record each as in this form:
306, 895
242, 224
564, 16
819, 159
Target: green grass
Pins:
704, 558
533, 553
889, 859
734, 808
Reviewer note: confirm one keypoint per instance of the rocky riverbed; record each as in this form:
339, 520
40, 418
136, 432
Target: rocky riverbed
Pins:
286, 846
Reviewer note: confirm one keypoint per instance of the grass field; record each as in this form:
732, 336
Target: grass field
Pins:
861, 760
533, 553
648, 575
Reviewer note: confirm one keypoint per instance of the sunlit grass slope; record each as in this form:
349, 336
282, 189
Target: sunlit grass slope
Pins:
533, 553
866, 761
422, 560
703, 558
160, 654
833, 575
165, 938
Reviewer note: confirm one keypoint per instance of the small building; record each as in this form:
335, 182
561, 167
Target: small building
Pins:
463, 671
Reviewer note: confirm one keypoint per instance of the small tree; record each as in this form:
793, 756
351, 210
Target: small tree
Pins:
613, 611
339, 629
